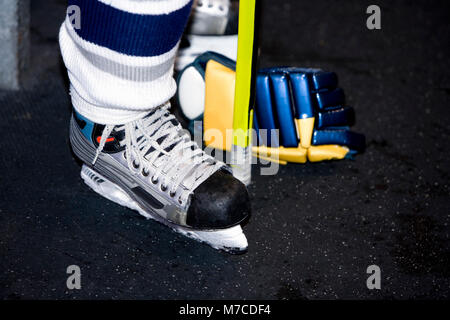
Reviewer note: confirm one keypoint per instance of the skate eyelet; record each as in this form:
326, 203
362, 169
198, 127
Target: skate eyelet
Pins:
124, 155
172, 194
145, 173
135, 165
163, 188
180, 201
154, 181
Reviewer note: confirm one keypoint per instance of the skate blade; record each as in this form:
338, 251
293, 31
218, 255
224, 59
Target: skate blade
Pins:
231, 240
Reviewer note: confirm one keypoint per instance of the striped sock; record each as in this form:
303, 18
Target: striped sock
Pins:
120, 60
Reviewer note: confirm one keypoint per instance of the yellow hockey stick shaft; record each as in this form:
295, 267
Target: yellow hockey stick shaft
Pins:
241, 150
244, 64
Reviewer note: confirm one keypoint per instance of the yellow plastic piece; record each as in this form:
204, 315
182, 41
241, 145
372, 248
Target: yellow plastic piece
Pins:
305, 128
327, 152
297, 155
219, 105
270, 159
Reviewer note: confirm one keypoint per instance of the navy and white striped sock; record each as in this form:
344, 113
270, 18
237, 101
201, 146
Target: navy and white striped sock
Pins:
120, 62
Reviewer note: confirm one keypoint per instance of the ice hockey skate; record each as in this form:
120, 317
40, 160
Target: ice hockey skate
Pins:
151, 165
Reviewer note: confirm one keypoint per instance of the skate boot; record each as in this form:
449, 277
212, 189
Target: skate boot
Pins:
213, 27
151, 165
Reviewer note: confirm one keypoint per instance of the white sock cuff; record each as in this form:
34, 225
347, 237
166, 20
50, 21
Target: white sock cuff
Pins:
101, 114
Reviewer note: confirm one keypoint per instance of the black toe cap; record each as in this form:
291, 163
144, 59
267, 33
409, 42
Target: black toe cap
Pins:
221, 201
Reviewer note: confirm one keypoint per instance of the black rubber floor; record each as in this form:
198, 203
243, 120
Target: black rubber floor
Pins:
315, 227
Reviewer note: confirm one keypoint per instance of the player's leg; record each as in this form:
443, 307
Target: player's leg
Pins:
120, 65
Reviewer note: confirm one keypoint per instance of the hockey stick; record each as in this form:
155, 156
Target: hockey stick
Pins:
241, 152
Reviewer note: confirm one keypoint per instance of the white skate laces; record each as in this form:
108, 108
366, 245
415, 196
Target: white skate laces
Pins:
158, 149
